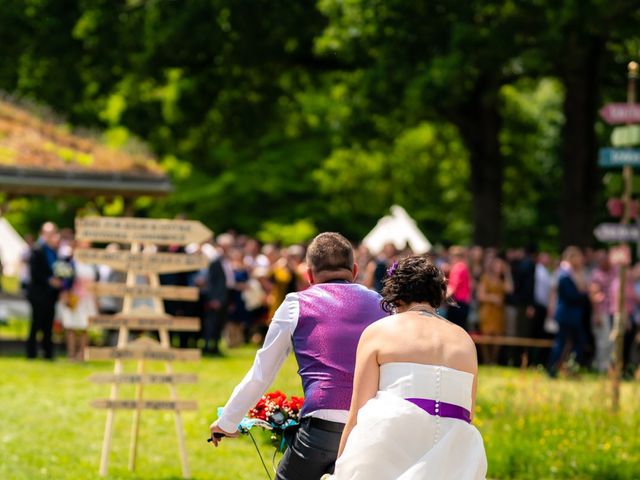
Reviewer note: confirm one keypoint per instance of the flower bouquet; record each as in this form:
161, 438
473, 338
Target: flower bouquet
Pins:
65, 272
278, 411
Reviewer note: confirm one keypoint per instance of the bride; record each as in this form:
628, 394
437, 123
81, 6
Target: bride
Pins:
414, 389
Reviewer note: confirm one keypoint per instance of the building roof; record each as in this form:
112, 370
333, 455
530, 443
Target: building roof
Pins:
41, 157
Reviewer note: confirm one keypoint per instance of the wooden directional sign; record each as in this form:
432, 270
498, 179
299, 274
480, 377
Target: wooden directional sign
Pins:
142, 262
626, 136
618, 113
146, 378
618, 157
169, 292
139, 322
146, 404
127, 353
616, 232
144, 230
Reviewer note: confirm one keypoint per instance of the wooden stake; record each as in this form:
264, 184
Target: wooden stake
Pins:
123, 336
165, 341
135, 425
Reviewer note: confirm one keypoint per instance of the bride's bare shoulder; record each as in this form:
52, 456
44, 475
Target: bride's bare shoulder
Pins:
382, 325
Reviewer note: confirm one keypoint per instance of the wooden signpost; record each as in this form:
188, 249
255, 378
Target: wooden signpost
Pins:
168, 292
626, 136
138, 233
617, 232
143, 230
618, 157
614, 114
142, 263
144, 322
619, 113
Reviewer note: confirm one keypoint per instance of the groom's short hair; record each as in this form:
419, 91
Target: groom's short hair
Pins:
330, 251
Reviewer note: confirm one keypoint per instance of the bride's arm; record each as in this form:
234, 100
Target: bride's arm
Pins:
365, 381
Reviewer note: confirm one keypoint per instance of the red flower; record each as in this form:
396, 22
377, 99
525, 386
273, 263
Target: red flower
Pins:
274, 406
295, 404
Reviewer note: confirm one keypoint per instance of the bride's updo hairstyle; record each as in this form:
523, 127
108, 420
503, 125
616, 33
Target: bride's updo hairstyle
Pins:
413, 279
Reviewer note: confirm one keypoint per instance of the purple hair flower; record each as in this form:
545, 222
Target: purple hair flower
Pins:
392, 269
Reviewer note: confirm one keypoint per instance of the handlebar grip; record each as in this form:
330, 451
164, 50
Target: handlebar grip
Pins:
216, 435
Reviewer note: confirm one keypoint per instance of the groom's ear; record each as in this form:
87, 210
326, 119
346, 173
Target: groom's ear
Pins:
310, 276
355, 271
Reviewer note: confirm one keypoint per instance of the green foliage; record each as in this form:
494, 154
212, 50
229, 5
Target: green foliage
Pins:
425, 170
330, 111
295, 233
530, 145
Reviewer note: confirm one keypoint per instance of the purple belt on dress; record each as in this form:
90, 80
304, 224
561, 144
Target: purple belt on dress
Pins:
441, 409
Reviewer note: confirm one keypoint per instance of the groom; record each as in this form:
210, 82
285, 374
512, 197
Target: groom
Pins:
322, 325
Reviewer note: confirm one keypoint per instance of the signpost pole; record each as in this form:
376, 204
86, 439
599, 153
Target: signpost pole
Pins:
135, 424
620, 316
165, 341
123, 334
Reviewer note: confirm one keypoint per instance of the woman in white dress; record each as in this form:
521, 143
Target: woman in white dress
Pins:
414, 389
76, 306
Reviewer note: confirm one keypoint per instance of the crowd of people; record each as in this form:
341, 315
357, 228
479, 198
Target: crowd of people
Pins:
516, 293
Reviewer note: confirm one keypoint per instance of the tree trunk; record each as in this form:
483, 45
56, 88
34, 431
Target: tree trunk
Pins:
580, 73
479, 124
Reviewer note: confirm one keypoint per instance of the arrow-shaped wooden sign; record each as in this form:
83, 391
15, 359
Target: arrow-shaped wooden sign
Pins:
617, 113
169, 292
618, 157
616, 232
144, 378
142, 351
142, 322
146, 404
142, 262
145, 230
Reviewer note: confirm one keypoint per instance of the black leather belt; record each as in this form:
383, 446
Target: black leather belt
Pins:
321, 424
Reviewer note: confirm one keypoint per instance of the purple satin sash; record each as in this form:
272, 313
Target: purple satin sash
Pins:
441, 409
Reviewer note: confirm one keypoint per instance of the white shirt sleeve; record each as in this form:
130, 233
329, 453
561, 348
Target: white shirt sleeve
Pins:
269, 359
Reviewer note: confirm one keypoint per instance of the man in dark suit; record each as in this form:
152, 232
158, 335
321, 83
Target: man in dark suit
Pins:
43, 290
219, 281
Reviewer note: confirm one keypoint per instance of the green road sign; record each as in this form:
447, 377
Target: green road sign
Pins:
626, 136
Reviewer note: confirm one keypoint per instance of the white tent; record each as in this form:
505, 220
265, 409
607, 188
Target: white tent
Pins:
398, 228
12, 246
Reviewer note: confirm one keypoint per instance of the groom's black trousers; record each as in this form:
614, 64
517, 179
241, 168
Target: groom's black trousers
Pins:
312, 452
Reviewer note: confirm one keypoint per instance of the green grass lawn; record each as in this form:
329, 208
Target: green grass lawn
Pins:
533, 428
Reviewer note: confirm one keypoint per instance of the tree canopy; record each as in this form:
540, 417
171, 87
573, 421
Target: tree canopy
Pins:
280, 119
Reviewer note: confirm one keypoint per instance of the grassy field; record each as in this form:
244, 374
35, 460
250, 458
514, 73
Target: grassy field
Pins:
533, 428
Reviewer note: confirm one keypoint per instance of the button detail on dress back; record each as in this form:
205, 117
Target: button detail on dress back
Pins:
436, 435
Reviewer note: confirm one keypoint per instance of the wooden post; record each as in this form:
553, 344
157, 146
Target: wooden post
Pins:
165, 341
135, 424
619, 320
123, 336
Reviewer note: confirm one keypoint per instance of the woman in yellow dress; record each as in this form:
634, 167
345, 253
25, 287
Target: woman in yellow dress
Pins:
494, 285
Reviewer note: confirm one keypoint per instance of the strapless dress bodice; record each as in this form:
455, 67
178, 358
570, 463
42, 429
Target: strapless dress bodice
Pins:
416, 380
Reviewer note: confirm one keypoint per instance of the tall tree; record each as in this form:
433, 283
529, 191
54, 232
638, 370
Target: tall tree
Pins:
581, 45
440, 59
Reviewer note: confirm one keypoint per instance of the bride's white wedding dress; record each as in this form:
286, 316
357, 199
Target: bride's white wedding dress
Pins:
397, 439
